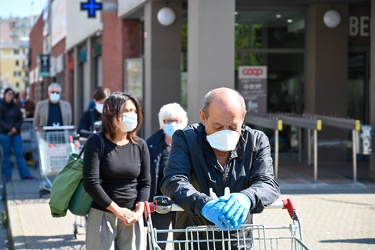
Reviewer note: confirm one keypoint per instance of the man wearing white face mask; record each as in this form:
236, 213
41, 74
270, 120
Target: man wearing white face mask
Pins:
217, 153
91, 120
52, 111
171, 118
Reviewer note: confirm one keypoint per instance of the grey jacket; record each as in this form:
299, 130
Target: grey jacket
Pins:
193, 169
41, 113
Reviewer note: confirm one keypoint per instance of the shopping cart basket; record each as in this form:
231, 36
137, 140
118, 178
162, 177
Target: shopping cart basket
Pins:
258, 237
54, 150
29, 141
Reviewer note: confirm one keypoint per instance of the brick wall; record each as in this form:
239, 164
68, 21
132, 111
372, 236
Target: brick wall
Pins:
36, 41
120, 40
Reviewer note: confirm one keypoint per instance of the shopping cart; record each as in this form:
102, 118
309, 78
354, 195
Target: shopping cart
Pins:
76, 147
256, 237
54, 149
29, 142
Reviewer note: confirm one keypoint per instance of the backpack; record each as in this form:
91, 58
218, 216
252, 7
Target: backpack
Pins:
68, 182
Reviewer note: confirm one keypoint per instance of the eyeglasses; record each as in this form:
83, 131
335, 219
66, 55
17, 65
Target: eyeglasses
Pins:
169, 121
55, 92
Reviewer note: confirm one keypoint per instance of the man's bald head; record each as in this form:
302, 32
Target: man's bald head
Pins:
224, 97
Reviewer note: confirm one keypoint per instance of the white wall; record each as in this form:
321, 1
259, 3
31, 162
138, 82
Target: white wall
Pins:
127, 7
79, 26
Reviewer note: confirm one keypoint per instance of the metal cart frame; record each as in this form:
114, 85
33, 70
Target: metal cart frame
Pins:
54, 149
260, 237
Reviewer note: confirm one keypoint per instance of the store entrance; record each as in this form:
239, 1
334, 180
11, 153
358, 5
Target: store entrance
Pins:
358, 86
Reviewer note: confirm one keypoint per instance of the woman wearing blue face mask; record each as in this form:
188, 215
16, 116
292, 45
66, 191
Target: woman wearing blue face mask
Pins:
91, 120
171, 118
115, 220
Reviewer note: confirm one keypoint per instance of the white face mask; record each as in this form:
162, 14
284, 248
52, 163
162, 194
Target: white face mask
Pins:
99, 107
223, 140
129, 122
169, 129
54, 97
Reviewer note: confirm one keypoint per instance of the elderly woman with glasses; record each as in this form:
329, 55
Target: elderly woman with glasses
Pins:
171, 118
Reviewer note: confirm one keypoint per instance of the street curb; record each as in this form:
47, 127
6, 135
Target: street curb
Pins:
14, 223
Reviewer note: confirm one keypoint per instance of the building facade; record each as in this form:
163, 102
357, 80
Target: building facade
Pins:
14, 38
317, 56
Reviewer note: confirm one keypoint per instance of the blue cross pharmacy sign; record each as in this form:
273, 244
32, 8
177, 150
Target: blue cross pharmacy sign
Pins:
44, 65
91, 6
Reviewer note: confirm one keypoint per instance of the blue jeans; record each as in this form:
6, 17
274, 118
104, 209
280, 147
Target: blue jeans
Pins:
13, 142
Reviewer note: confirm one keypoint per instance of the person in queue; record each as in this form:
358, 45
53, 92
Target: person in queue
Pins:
115, 220
26, 105
171, 118
10, 137
52, 111
216, 153
91, 120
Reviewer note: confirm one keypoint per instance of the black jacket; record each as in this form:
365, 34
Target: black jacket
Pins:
87, 123
155, 145
10, 116
193, 168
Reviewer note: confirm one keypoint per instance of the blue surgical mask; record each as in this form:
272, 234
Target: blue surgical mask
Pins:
129, 122
99, 107
169, 129
54, 97
224, 140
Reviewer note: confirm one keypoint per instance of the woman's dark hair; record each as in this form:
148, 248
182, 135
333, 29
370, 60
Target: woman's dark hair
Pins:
99, 94
7, 90
112, 114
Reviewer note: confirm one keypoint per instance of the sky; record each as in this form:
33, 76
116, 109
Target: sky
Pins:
21, 8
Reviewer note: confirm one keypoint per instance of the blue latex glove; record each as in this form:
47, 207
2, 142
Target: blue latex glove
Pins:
236, 209
211, 212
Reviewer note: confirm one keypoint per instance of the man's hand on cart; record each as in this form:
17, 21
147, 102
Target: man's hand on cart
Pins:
211, 211
235, 210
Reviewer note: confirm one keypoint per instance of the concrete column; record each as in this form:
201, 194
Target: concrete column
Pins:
162, 63
210, 50
327, 72
372, 89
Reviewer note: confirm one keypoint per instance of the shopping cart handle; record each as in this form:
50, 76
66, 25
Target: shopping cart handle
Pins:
58, 127
164, 205
284, 204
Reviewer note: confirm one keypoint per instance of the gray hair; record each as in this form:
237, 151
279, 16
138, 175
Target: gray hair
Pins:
54, 85
212, 94
174, 109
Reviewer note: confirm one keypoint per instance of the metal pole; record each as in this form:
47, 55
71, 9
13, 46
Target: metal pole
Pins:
276, 153
354, 140
308, 147
299, 144
315, 155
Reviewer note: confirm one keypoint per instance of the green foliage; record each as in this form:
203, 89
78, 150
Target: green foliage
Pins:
248, 37
4, 219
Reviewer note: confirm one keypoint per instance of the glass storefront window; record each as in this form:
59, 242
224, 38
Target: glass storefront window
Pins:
270, 29
275, 39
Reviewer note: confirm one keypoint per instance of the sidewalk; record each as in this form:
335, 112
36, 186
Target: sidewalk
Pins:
31, 225
335, 212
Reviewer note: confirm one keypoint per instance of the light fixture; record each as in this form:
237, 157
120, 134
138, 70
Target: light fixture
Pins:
332, 18
166, 16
